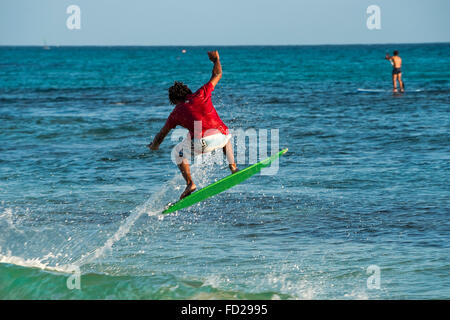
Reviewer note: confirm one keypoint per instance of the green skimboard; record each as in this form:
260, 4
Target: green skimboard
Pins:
222, 184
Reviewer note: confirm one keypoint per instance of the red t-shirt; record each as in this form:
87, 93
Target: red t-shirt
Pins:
197, 107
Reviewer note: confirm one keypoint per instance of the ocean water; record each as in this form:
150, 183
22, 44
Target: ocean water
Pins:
365, 181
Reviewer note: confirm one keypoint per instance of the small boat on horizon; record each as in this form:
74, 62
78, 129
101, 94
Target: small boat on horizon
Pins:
45, 47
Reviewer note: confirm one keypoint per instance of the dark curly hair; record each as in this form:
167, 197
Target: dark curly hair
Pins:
178, 92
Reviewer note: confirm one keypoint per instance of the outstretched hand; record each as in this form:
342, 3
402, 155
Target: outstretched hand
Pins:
213, 55
152, 146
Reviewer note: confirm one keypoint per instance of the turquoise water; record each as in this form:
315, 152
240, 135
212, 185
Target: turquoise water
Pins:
365, 181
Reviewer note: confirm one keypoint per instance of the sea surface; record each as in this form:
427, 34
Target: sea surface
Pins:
358, 208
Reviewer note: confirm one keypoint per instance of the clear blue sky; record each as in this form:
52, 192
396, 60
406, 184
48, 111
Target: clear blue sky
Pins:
225, 22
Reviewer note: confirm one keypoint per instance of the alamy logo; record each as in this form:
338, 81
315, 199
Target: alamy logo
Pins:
246, 153
374, 280
374, 20
74, 281
73, 22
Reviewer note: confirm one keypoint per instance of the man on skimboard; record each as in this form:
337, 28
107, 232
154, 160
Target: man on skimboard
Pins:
195, 112
396, 71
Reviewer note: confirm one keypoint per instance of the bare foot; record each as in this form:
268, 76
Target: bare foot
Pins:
191, 187
233, 168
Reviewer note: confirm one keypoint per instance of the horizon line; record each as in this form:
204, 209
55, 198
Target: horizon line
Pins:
219, 45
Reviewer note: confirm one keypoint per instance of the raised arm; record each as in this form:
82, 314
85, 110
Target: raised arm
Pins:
217, 69
388, 57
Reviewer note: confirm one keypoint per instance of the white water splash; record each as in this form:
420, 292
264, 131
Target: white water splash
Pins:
34, 263
201, 171
152, 207
123, 229
8, 215
119, 234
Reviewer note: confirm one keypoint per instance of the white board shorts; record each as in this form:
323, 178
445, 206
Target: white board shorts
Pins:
198, 146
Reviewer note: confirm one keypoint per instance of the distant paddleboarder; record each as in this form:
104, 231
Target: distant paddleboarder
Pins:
195, 112
396, 71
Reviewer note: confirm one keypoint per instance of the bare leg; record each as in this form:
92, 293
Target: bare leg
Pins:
402, 88
394, 82
186, 172
228, 151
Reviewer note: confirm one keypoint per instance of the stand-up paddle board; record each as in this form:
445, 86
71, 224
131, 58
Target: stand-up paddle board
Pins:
382, 90
223, 184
